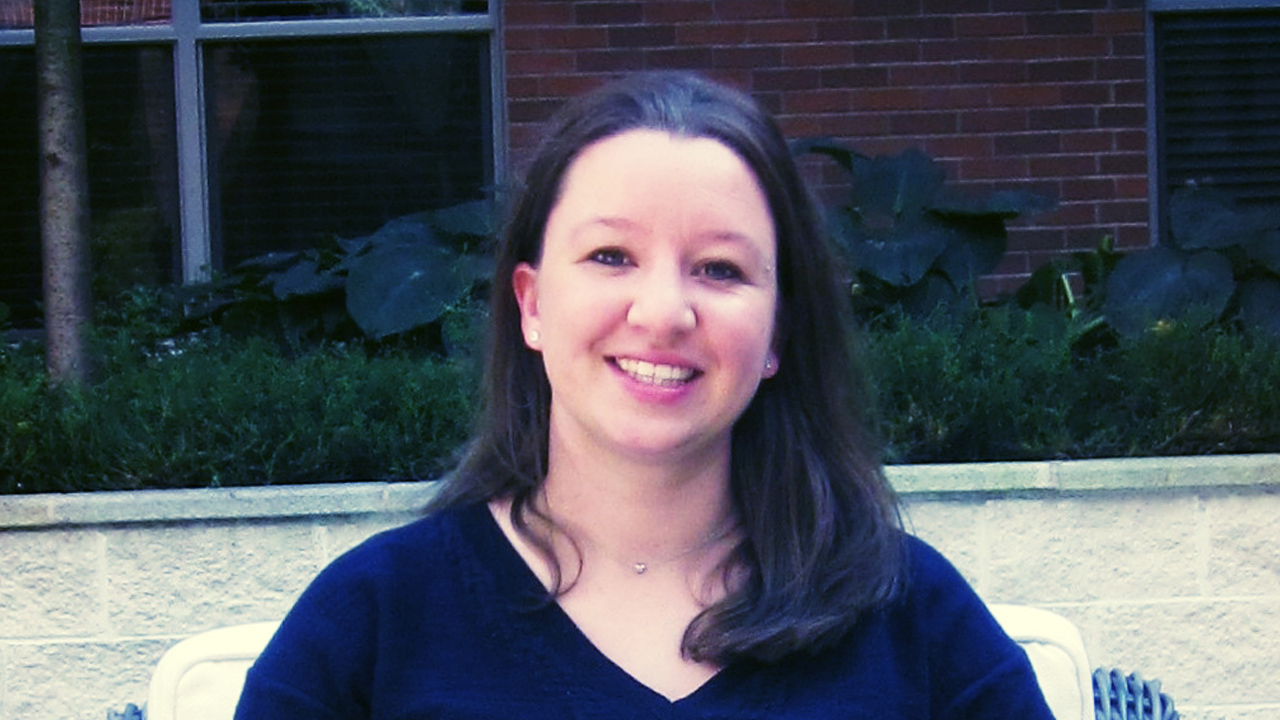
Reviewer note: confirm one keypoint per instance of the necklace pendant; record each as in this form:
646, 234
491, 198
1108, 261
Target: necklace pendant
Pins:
639, 568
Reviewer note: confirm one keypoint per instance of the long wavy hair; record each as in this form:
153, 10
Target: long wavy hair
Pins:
821, 535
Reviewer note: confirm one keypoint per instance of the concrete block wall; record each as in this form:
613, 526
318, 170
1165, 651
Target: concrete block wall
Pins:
1048, 94
1170, 568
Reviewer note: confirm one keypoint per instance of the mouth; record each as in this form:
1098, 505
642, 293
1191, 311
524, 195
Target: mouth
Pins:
667, 376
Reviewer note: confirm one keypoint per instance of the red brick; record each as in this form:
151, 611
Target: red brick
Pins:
746, 57
1041, 239
711, 34
855, 77
1025, 95
797, 79
524, 87
992, 72
607, 13
1133, 237
642, 36
956, 7
748, 9
846, 30
782, 31
1117, 22
531, 111
1021, 48
823, 55
1062, 71
1027, 144
1097, 93
1064, 166
1130, 93
1131, 186
1131, 140
990, 25
1063, 118
952, 50
682, 11
1088, 189
816, 101
917, 74
1127, 45
1088, 141
516, 14
883, 8
1074, 213
816, 8
562, 38
1123, 116
886, 52
1122, 68
1082, 4
609, 60
959, 146
982, 121
541, 62
800, 125
1123, 211
855, 125
678, 59
993, 168
1083, 46
923, 123
567, 86
886, 99
1060, 23
919, 28
963, 97
1121, 163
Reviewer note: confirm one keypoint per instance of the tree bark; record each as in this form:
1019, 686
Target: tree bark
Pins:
64, 189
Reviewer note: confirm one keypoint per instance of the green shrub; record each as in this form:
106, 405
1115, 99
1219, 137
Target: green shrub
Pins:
1010, 384
220, 412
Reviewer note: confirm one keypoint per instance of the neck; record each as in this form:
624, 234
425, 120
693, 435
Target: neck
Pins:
639, 512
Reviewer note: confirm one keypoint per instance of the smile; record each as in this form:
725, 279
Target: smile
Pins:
654, 374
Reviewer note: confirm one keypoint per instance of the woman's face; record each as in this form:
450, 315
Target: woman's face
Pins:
654, 300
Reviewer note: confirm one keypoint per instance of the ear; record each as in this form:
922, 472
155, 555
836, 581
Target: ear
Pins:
770, 365
524, 283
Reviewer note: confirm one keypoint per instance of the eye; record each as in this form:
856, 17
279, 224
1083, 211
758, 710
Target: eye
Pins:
722, 271
611, 257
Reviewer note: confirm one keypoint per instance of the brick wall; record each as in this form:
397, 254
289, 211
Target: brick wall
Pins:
1004, 92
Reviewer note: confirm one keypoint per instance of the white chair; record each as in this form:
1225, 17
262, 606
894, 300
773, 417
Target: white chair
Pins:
1057, 655
201, 677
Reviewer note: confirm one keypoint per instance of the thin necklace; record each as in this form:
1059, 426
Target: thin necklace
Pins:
640, 567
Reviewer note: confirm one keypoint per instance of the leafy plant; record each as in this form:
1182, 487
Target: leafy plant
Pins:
405, 277
913, 242
1220, 261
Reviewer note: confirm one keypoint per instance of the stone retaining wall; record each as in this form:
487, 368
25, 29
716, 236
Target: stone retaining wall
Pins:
1171, 568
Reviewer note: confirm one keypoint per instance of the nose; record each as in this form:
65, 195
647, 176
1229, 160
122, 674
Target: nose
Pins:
661, 303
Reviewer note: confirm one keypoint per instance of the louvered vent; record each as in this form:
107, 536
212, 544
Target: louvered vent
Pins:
1218, 111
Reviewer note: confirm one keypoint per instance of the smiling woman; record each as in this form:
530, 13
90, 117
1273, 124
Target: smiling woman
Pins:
673, 508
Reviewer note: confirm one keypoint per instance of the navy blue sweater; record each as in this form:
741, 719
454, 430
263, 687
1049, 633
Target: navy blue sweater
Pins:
441, 618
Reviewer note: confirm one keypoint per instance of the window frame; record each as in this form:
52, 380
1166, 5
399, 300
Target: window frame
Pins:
185, 33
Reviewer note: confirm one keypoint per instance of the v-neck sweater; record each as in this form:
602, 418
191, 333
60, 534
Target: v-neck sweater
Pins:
442, 618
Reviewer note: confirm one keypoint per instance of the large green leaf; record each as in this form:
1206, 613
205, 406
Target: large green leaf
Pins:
1162, 284
1260, 305
303, 278
401, 286
1207, 218
899, 255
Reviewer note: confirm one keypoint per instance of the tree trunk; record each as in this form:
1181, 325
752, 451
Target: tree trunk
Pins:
64, 189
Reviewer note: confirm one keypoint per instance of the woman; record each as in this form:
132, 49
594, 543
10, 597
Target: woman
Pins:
673, 508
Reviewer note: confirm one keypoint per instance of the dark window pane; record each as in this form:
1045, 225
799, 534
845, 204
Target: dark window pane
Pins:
17, 13
129, 109
310, 140
250, 10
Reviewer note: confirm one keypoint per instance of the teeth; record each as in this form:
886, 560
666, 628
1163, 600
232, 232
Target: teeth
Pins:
653, 374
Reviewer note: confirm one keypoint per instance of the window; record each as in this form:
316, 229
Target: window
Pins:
218, 131
1217, 85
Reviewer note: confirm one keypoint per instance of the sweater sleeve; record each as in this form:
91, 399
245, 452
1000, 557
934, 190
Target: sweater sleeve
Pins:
977, 671
319, 663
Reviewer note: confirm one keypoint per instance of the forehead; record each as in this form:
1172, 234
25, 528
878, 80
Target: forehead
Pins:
651, 174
